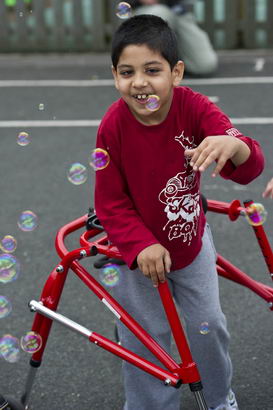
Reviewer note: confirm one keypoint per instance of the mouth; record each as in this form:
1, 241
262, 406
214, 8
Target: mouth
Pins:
141, 98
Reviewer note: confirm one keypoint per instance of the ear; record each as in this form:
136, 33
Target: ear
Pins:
114, 72
178, 73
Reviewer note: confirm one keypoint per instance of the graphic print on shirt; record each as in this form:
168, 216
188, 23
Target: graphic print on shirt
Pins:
233, 132
182, 205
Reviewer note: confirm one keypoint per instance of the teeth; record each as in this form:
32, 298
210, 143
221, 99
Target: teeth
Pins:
142, 96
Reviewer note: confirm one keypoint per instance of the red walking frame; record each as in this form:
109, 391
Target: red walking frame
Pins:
172, 373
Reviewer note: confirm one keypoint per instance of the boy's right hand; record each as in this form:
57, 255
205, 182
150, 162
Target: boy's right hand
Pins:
154, 261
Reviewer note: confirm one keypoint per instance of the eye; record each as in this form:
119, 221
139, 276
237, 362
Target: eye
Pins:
126, 73
153, 71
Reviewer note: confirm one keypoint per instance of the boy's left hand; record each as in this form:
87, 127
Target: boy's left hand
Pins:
218, 148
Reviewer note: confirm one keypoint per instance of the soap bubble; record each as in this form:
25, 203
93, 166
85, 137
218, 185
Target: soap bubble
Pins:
9, 268
9, 348
27, 221
23, 139
31, 342
110, 275
256, 214
5, 307
124, 10
8, 244
153, 103
204, 328
77, 174
99, 159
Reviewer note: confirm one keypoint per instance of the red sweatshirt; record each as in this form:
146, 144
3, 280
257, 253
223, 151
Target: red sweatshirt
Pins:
149, 193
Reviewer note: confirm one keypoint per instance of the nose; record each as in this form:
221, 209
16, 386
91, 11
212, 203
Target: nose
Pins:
139, 81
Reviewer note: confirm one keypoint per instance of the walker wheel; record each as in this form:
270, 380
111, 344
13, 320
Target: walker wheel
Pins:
13, 404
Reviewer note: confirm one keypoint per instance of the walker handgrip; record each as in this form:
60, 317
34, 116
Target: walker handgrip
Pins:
93, 222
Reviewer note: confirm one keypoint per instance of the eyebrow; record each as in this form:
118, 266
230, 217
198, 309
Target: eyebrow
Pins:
146, 64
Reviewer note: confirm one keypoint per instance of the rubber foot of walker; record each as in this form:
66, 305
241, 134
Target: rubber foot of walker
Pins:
197, 386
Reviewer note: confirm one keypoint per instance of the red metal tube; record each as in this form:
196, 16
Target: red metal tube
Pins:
188, 370
66, 230
101, 245
50, 297
173, 318
90, 282
232, 209
265, 247
218, 206
43, 328
229, 271
134, 359
125, 318
263, 243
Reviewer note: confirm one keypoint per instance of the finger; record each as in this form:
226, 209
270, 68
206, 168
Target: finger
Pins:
153, 274
194, 160
220, 165
196, 152
189, 152
192, 155
195, 157
201, 153
167, 262
204, 161
160, 270
154, 278
145, 270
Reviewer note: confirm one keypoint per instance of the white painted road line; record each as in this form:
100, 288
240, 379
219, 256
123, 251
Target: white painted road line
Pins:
253, 120
49, 123
110, 82
96, 123
229, 81
56, 83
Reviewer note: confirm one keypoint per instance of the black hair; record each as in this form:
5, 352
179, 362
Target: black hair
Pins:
149, 30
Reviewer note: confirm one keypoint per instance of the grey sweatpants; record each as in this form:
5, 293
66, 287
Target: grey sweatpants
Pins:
195, 290
194, 46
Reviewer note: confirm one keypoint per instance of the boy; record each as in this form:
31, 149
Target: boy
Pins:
148, 201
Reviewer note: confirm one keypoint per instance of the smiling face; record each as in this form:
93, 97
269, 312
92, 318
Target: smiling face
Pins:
142, 72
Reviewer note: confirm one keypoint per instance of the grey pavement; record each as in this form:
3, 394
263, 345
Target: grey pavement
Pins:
76, 374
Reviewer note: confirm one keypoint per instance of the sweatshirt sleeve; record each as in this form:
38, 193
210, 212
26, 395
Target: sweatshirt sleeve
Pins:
114, 207
250, 169
215, 122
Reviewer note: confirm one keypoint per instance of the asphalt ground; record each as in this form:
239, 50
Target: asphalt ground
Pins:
75, 373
